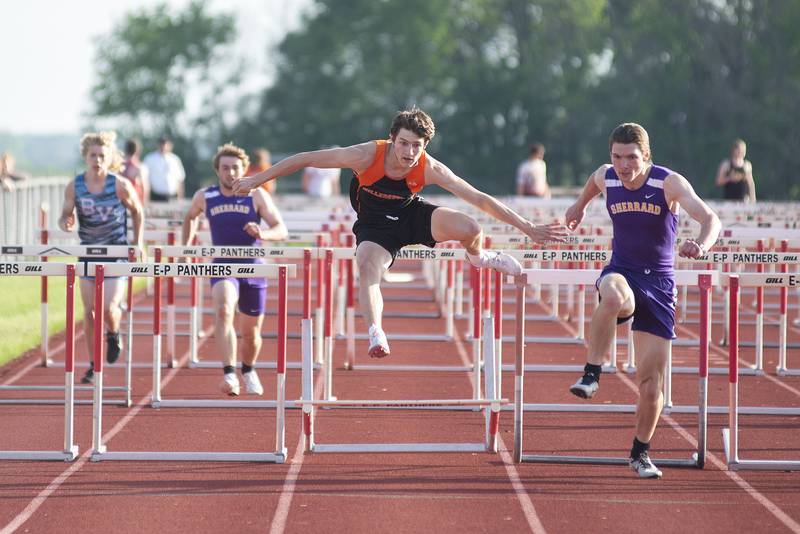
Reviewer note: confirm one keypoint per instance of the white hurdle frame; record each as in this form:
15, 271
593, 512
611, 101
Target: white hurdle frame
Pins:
410, 253
88, 251
70, 450
165, 270
730, 435
703, 279
492, 406
219, 251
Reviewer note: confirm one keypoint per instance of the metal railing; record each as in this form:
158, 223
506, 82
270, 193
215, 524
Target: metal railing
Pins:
20, 208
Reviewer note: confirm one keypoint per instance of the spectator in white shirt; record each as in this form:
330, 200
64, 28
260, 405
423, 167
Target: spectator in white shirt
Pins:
532, 174
166, 172
321, 183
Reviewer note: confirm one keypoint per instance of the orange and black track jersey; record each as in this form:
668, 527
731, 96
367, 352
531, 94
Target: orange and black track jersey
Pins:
373, 193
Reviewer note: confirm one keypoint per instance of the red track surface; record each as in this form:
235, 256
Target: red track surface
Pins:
459, 492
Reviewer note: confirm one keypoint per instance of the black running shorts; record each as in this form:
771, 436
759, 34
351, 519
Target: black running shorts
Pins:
410, 226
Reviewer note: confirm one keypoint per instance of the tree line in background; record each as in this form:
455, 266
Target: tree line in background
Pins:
494, 74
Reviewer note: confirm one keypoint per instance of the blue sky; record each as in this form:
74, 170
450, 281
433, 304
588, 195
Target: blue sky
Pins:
46, 53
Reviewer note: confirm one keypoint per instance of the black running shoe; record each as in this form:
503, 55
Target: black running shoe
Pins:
88, 378
586, 387
113, 346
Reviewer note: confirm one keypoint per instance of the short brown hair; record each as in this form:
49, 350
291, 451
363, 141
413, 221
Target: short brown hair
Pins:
414, 120
629, 133
229, 149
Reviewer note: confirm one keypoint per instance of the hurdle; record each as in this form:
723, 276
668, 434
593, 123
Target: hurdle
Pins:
70, 450
491, 405
211, 251
89, 251
45, 250
730, 435
162, 270
703, 279
448, 255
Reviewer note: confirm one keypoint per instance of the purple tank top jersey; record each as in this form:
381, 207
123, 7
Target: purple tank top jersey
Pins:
644, 226
227, 217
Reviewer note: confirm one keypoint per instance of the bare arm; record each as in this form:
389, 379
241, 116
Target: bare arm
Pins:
356, 157
594, 186
196, 208
67, 219
439, 174
677, 189
130, 199
751, 184
268, 211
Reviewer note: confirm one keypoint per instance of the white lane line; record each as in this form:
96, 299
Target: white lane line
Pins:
39, 500
281, 516
525, 502
750, 490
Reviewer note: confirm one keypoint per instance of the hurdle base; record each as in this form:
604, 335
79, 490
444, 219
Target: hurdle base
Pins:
402, 337
425, 368
60, 402
259, 365
735, 464
271, 457
693, 462
238, 403
397, 447
748, 371
556, 368
65, 456
604, 408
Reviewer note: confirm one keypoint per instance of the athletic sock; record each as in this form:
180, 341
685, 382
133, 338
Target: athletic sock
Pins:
638, 448
476, 260
246, 368
593, 369
228, 369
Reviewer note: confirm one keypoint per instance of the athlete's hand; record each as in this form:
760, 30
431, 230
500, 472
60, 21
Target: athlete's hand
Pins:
252, 229
574, 216
691, 249
67, 223
547, 232
243, 187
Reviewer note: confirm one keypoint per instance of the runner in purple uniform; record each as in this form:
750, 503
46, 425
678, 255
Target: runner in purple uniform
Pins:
234, 221
643, 202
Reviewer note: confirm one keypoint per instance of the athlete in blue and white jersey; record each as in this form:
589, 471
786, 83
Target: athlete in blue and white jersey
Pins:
102, 200
643, 201
234, 221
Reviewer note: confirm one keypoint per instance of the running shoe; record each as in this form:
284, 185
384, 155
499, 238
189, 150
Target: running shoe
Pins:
586, 387
230, 385
499, 261
252, 385
113, 346
88, 377
644, 466
378, 345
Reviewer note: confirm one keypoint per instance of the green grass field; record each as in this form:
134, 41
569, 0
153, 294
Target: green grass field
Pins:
20, 309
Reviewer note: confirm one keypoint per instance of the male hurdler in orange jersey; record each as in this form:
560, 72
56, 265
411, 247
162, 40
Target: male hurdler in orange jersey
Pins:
387, 177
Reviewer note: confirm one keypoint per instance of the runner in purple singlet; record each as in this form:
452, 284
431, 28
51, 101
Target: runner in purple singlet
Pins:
643, 202
234, 221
